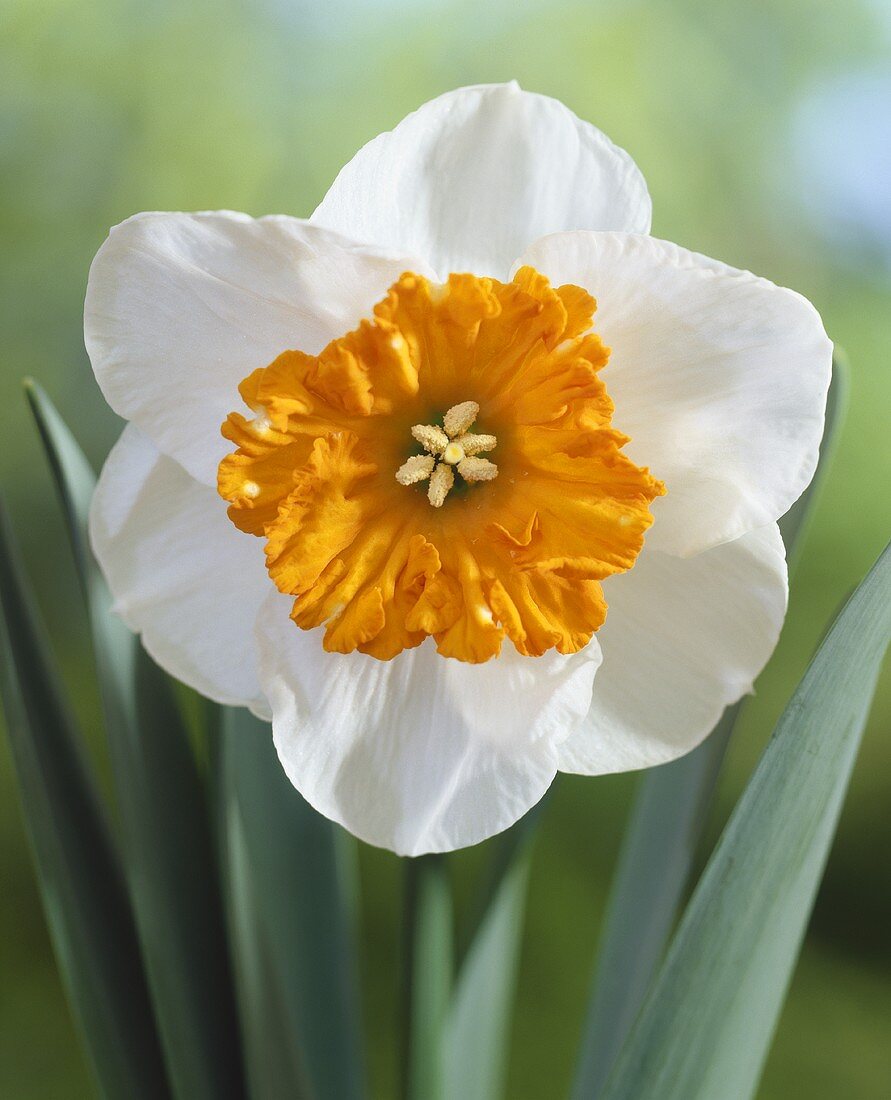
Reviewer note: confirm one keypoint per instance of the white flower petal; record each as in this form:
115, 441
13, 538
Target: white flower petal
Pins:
181, 307
471, 178
683, 638
181, 574
422, 753
719, 377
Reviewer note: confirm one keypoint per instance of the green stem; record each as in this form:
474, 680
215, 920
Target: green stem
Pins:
427, 975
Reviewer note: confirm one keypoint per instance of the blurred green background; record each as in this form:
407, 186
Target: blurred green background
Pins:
764, 131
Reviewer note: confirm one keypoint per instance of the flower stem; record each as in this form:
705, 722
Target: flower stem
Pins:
426, 975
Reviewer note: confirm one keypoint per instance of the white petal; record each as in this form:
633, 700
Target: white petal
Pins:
719, 377
471, 178
181, 307
421, 753
181, 574
683, 638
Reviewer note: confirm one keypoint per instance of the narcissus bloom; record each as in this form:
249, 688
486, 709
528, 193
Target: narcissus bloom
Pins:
406, 475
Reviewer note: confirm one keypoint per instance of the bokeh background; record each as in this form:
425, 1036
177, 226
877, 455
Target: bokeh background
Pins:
764, 131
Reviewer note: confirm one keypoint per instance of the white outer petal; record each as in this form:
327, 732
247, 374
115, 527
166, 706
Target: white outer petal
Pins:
421, 753
181, 574
181, 307
683, 638
472, 177
719, 377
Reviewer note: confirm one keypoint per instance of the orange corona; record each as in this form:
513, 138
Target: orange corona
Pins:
448, 468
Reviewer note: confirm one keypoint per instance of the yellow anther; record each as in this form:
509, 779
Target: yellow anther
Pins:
453, 454
475, 444
460, 417
417, 468
251, 490
431, 438
477, 469
441, 481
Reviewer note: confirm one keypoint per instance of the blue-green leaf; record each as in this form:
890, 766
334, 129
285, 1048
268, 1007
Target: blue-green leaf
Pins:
272, 1055
170, 858
476, 1041
300, 867
78, 870
706, 1027
427, 975
480, 1017
660, 843
658, 849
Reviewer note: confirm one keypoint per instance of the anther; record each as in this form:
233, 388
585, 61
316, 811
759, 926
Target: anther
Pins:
417, 468
431, 438
460, 417
441, 481
476, 444
477, 469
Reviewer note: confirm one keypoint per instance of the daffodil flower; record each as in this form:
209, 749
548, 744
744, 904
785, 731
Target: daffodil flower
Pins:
454, 401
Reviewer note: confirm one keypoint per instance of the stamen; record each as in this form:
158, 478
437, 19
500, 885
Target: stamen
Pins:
417, 468
447, 451
477, 469
441, 481
460, 417
474, 444
431, 438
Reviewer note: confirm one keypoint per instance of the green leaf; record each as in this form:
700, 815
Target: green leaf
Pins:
477, 1029
79, 874
271, 1051
479, 1020
655, 861
706, 1027
663, 833
170, 858
509, 846
427, 975
299, 869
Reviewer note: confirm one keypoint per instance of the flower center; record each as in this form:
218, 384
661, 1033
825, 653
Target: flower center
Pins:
450, 446
353, 522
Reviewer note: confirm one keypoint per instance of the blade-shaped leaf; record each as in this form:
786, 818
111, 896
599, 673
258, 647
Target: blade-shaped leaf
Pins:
299, 866
660, 843
706, 1027
479, 1020
271, 1051
170, 856
79, 873
478, 1025
427, 975
655, 861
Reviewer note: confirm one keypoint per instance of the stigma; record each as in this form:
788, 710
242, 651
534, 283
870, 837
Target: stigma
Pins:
448, 448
